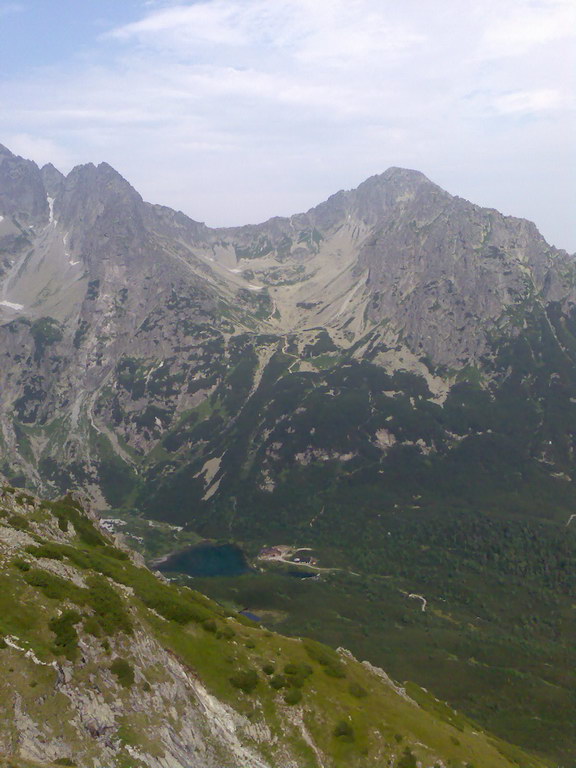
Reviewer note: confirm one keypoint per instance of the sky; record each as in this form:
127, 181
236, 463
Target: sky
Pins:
237, 110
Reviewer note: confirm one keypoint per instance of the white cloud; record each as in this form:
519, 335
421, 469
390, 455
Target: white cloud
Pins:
520, 26
212, 22
234, 110
331, 33
529, 102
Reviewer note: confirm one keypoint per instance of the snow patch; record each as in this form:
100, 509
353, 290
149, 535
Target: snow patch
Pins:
11, 305
255, 287
51, 207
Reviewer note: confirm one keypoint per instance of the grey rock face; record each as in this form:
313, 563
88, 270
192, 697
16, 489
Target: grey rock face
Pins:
21, 188
437, 269
118, 317
53, 180
101, 212
445, 270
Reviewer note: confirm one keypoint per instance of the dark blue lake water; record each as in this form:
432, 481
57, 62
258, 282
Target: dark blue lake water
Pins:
250, 615
207, 560
301, 574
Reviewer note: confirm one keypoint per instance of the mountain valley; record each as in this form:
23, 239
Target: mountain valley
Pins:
388, 379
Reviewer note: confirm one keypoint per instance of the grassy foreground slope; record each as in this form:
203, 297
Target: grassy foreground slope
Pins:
104, 663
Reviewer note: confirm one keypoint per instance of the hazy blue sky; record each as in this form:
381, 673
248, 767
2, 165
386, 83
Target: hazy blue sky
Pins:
237, 110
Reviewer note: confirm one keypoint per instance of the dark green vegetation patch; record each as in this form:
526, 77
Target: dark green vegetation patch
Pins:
123, 671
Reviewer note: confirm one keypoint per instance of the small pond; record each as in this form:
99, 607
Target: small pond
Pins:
205, 560
252, 616
297, 574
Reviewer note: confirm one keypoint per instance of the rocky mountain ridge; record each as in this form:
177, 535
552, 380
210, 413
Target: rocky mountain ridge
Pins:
398, 270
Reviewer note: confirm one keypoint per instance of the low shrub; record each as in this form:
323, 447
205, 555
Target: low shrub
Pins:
19, 522
325, 656
54, 586
298, 670
67, 511
45, 550
123, 671
278, 681
66, 643
117, 554
357, 690
171, 604
293, 696
245, 680
92, 626
297, 674
108, 606
344, 731
62, 522
407, 760
335, 670
210, 625
226, 632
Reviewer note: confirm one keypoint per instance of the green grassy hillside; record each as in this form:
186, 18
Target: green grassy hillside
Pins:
104, 662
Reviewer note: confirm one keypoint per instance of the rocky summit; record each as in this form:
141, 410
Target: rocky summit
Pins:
388, 379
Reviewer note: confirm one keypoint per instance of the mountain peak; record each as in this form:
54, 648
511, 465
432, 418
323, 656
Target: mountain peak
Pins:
377, 196
21, 188
395, 171
399, 177
94, 202
100, 179
53, 180
106, 167
50, 168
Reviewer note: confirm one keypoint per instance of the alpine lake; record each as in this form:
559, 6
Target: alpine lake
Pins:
207, 560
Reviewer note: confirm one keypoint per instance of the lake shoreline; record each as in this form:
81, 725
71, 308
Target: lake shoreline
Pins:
155, 562
206, 559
